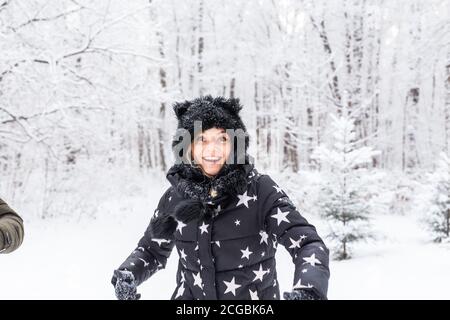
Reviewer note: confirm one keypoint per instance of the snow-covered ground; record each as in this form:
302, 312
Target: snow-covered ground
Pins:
66, 259
402, 264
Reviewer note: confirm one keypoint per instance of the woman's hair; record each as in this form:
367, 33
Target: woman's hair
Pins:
189, 158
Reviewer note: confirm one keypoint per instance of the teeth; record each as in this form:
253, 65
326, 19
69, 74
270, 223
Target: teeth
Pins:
211, 158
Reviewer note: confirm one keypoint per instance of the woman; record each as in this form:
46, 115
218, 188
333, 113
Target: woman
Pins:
225, 219
11, 229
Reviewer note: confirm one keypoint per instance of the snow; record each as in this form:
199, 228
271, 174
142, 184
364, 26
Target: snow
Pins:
401, 264
68, 259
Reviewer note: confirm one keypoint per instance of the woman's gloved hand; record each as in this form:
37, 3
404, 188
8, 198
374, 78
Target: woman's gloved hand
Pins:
125, 285
301, 295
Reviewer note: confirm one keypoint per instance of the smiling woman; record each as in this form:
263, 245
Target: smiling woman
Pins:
210, 150
225, 220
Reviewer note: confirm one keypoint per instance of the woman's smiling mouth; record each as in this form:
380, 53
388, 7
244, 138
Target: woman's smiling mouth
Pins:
212, 160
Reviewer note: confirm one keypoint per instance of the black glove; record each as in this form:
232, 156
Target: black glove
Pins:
302, 295
125, 285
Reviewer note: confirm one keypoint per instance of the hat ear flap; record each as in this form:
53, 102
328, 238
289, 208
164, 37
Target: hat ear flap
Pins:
181, 107
232, 105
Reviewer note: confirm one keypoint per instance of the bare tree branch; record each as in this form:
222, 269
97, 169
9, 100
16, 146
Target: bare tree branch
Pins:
46, 19
14, 118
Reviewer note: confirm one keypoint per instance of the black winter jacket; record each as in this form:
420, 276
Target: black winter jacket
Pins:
230, 253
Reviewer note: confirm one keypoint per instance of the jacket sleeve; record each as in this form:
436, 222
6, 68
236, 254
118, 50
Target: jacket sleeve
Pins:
151, 254
11, 229
289, 228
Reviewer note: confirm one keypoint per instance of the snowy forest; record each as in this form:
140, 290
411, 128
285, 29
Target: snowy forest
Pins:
347, 103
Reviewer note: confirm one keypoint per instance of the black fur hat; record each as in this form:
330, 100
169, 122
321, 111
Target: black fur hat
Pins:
213, 112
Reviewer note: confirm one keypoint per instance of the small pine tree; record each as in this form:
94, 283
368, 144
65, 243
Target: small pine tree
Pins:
438, 215
344, 197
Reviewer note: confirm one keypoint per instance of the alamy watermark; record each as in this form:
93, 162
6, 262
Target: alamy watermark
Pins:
237, 138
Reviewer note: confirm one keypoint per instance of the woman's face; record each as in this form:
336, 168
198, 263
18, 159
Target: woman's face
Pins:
210, 149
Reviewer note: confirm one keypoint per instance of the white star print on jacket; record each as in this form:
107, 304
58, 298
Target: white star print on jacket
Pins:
231, 287
231, 255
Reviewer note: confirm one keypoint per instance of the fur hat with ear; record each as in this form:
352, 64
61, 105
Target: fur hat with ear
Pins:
212, 112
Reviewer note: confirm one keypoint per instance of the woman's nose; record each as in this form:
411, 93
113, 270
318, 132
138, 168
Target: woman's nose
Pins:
212, 149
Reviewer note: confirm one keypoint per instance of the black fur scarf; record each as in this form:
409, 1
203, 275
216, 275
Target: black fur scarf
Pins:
194, 187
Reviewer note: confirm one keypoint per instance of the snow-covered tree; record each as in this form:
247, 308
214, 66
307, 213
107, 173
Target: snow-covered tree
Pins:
344, 195
438, 215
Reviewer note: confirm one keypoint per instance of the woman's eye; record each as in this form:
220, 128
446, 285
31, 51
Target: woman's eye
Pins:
223, 139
